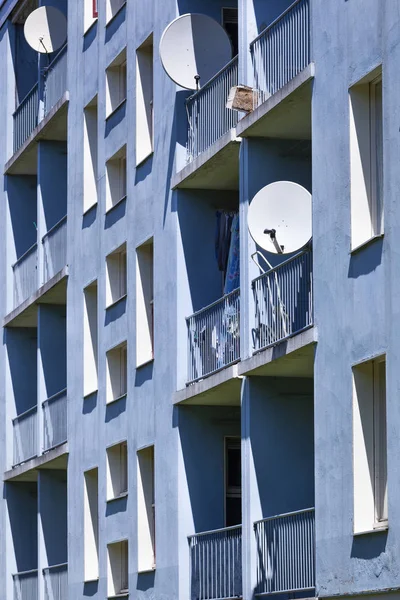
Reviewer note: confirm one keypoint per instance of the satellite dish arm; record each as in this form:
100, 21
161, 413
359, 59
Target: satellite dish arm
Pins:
272, 235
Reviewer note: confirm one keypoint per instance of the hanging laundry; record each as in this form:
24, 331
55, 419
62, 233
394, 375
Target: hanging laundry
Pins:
232, 278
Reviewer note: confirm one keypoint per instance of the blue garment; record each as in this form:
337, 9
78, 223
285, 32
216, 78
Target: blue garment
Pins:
232, 278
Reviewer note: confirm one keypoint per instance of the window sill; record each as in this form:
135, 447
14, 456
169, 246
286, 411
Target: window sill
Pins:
89, 394
122, 495
151, 570
111, 208
143, 160
145, 362
84, 33
115, 109
89, 208
116, 399
110, 20
122, 595
116, 302
91, 580
381, 529
367, 243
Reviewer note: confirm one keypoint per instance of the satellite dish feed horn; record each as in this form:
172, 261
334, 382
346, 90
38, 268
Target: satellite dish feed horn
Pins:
45, 29
193, 48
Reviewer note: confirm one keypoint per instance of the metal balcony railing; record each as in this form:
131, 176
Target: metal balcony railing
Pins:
216, 564
281, 51
286, 553
26, 585
55, 420
208, 116
283, 300
56, 582
55, 249
25, 436
214, 337
25, 275
55, 82
26, 117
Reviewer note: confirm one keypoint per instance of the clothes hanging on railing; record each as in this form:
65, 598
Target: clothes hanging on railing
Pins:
232, 276
223, 238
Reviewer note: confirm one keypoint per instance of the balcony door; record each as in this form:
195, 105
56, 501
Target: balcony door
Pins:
233, 482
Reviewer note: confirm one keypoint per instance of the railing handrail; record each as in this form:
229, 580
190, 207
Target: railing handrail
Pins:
213, 531
213, 78
55, 567
54, 227
274, 22
213, 304
282, 264
25, 413
55, 59
283, 515
25, 98
24, 255
23, 573
55, 396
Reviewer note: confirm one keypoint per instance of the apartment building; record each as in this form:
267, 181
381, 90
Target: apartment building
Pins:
179, 420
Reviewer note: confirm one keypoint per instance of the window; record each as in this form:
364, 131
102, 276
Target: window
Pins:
146, 510
90, 333
117, 372
90, 13
91, 525
117, 470
144, 100
90, 144
117, 576
233, 482
370, 461
113, 7
144, 303
230, 24
116, 275
366, 161
116, 83
116, 178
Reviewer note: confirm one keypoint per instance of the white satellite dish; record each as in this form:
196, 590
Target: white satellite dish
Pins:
279, 217
193, 48
45, 29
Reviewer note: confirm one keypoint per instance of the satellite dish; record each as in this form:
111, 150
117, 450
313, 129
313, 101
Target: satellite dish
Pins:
45, 29
279, 217
194, 48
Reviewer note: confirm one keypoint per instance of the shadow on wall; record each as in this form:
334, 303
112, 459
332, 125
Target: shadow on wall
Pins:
22, 360
145, 581
115, 409
369, 546
115, 23
89, 403
144, 373
89, 217
90, 588
90, 36
115, 312
53, 510
116, 506
115, 213
22, 510
366, 260
115, 118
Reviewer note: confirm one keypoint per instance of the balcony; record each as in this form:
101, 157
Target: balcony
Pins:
55, 83
283, 301
25, 436
26, 585
214, 337
282, 71
56, 582
286, 553
25, 275
216, 564
26, 117
55, 249
55, 419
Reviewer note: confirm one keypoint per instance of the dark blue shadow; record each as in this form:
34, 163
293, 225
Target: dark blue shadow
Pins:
115, 118
145, 581
368, 546
90, 36
116, 506
89, 217
144, 169
366, 259
115, 23
89, 403
115, 213
115, 311
143, 374
90, 588
115, 409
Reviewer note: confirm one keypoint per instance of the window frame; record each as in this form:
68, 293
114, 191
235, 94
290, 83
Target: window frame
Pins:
380, 444
376, 140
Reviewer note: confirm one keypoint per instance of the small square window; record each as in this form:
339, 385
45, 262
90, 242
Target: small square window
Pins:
116, 275
116, 178
116, 83
117, 579
117, 470
117, 372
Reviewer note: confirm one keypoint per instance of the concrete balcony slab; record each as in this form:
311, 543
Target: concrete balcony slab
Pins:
220, 389
56, 458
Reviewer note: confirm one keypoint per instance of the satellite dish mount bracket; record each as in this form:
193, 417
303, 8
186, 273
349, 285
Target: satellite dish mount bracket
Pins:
272, 235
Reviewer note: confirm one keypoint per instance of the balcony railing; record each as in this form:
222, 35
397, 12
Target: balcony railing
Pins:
25, 436
283, 301
55, 249
281, 51
55, 420
214, 337
26, 585
26, 117
216, 564
55, 83
25, 275
208, 116
56, 582
286, 553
